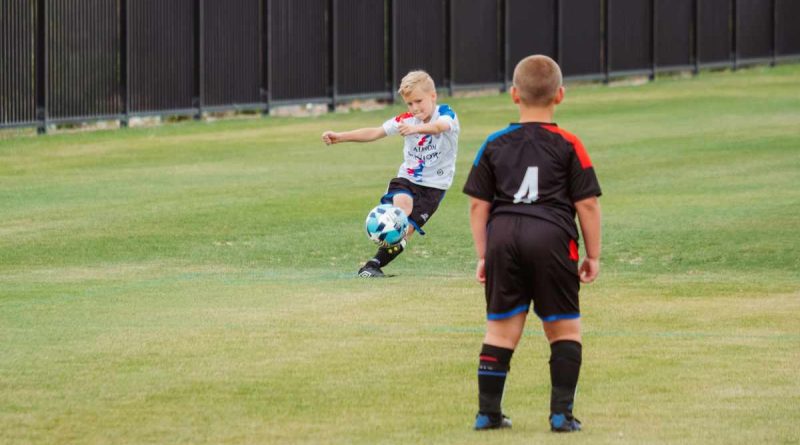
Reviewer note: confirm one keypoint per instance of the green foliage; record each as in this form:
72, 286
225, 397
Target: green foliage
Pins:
194, 283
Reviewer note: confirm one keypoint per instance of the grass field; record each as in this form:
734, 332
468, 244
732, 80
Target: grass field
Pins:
195, 283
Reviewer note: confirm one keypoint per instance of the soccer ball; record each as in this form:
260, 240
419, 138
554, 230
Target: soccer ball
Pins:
386, 225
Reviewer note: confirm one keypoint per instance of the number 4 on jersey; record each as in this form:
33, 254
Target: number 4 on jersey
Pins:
529, 189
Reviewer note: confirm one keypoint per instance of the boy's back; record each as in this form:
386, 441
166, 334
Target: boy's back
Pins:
538, 164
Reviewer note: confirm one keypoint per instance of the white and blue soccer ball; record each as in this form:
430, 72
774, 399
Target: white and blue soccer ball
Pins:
386, 225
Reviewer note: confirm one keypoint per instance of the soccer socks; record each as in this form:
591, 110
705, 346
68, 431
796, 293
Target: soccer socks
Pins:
385, 255
492, 371
565, 366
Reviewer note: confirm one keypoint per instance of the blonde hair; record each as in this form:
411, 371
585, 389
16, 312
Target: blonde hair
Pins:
416, 79
537, 79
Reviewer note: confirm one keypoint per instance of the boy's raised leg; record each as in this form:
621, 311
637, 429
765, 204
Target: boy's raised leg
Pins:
385, 255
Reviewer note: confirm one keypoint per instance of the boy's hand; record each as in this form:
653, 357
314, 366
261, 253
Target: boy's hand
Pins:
330, 137
480, 271
406, 129
589, 270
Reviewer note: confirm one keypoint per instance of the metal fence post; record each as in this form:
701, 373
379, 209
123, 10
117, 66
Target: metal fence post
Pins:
696, 36
734, 20
449, 66
262, 59
333, 45
606, 47
774, 49
653, 39
125, 71
388, 48
393, 43
199, 49
506, 44
40, 64
558, 26
268, 59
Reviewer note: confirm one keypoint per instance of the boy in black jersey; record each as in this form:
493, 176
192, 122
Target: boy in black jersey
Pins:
526, 185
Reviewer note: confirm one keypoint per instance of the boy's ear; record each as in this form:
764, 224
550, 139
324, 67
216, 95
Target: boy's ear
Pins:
559, 95
514, 94
434, 96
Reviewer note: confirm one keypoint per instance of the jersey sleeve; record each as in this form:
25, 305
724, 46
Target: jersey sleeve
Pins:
583, 181
390, 126
446, 114
481, 181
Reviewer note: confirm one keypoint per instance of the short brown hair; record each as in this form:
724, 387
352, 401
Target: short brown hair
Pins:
537, 79
416, 79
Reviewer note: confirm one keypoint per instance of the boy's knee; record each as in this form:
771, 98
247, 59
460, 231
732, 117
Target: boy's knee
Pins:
405, 202
507, 338
563, 330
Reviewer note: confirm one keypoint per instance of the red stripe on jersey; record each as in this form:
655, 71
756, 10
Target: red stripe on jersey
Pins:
400, 117
488, 358
573, 250
580, 150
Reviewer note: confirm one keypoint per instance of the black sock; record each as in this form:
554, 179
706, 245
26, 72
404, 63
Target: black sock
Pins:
565, 366
385, 255
492, 370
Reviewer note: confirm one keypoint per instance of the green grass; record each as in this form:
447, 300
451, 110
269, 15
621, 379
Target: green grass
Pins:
194, 283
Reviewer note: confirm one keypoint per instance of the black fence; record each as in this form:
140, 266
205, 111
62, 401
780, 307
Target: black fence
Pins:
82, 60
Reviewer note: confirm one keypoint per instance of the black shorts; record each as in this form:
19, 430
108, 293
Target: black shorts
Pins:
530, 260
426, 200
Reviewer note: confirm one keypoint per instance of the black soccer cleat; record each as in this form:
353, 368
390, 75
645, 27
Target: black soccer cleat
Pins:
370, 271
564, 423
491, 422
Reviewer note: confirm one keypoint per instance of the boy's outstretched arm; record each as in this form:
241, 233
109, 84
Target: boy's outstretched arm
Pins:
478, 218
589, 216
360, 135
429, 128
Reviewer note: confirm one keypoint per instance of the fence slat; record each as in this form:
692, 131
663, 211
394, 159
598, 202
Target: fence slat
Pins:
477, 56
17, 96
674, 34
361, 48
420, 40
530, 29
787, 31
754, 32
581, 38
299, 63
161, 55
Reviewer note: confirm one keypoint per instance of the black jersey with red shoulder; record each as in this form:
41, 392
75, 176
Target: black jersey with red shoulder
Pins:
534, 169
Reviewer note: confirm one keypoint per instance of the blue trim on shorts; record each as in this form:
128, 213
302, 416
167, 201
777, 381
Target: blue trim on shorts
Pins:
556, 317
511, 313
387, 198
416, 227
493, 373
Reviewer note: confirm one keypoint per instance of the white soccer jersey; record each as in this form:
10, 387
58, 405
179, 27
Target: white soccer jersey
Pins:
429, 160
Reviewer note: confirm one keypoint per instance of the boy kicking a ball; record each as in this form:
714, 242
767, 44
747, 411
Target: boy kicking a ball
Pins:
430, 136
526, 185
